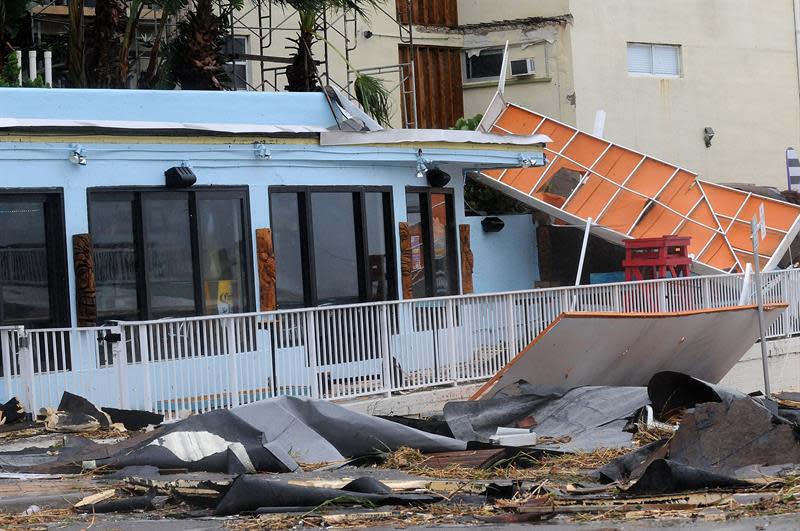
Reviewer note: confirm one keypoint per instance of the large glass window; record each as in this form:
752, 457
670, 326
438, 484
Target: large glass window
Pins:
114, 255
432, 230
33, 284
168, 254
336, 262
223, 251
332, 245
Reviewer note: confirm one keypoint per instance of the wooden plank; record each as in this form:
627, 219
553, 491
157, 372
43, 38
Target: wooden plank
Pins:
467, 260
85, 284
267, 271
467, 458
405, 260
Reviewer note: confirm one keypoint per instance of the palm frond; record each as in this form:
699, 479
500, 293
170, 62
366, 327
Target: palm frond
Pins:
358, 6
374, 98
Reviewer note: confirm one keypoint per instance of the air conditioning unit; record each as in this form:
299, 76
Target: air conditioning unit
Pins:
523, 67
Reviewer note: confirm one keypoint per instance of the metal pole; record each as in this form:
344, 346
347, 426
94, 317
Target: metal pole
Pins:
760, 303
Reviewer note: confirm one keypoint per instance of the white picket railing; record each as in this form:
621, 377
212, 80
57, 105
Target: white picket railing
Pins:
197, 364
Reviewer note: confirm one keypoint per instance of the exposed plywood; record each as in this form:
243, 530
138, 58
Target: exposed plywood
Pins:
632, 195
267, 271
428, 12
439, 93
705, 344
85, 286
467, 260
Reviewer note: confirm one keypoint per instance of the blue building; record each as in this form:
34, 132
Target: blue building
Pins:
168, 191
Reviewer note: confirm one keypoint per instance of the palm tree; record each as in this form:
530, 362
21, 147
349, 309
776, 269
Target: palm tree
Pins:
302, 74
195, 59
11, 15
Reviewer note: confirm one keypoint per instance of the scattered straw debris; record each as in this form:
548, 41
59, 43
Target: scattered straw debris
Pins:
441, 514
565, 467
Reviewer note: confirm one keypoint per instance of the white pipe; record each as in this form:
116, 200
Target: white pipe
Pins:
797, 43
32, 64
19, 65
48, 68
748, 274
583, 251
600, 122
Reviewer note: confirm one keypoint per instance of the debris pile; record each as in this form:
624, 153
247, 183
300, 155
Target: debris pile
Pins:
679, 446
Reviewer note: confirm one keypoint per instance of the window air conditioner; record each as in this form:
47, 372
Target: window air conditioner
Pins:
523, 67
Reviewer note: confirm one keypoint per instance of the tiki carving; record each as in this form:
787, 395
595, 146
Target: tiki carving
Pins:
85, 287
405, 260
467, 260
267, 271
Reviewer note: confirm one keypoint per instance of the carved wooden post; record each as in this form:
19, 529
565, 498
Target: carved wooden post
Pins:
405, 260
467, 260
85, 287
267, 273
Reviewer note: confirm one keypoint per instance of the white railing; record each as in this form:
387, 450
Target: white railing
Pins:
196, 364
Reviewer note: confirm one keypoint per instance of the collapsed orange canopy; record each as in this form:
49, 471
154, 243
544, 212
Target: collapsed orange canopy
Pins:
631, 195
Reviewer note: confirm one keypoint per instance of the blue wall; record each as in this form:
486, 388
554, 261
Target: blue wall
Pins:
197, 106
507, 260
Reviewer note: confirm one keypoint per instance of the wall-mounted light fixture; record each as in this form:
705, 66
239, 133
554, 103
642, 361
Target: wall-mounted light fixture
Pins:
708, 135
492, 224
77, 157
437, 177
180, 176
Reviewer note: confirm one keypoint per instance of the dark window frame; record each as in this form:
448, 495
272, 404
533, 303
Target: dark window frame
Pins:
310, 299
427, 239
57, 260
144, 308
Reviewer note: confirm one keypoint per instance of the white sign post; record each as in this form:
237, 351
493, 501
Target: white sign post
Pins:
758, 230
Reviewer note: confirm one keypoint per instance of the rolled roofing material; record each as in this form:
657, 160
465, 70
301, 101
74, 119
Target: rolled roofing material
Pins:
631, 195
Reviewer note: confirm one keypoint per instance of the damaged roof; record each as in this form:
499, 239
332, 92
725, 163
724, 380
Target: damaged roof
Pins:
628, 194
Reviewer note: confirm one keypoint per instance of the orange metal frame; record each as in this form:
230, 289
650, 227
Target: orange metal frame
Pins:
631, 195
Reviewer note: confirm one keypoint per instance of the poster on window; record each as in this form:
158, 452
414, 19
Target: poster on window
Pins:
416, 253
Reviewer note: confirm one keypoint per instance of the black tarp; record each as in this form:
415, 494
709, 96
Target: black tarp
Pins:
217, 441
583, 419
724, 439
251, 493
316, 431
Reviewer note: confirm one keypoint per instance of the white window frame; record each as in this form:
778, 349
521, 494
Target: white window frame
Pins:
652, 46
465, 63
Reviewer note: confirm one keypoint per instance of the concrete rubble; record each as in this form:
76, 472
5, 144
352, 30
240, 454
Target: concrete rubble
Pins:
678, 448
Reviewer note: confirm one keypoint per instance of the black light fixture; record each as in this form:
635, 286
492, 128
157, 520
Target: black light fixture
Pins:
437, 178
180, 177
492, 224
708, 136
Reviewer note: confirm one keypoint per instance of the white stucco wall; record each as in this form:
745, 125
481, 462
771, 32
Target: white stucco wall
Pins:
739, 77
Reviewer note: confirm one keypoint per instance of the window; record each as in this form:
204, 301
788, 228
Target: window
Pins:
431, 223
654, 59
168, 254
236, 68
483, 64
333, 245
33, 278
